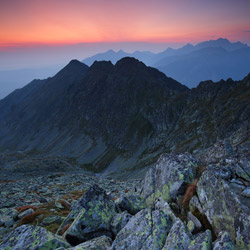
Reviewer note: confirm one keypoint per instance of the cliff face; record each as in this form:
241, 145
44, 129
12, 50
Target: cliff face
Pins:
121, 117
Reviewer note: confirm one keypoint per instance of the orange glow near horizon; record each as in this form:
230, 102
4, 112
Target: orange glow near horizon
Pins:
59, 22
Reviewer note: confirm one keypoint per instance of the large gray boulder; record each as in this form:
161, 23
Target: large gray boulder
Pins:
168, 176
224, 242
224, 208
133, 203
148, 229
29, 237
94, 219
119, 221
180, 238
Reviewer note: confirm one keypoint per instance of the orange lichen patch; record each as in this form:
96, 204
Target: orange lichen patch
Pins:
190, 192
24, 208
116, 191
64, 229
30, 218
126, 191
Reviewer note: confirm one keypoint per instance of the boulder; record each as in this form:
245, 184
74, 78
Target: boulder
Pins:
178, 188
133, 203
197, 223
94, 219
28, 237
100, 243
119, 221
179, 237
146, 230
223, 208
169, 169
224, 242
201, 241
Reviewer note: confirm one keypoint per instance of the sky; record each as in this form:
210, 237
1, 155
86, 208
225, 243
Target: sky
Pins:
51, 31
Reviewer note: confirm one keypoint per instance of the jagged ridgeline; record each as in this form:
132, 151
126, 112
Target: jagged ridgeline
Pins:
119, 118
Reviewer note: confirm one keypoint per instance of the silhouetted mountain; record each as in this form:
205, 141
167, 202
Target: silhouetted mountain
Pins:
113, 56
118, 118
209, 63
214, 60
17, 78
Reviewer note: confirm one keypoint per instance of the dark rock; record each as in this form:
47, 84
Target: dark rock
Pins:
119, 221
29, 237
168, 170
223, 208
224, 242
133, 203
146, 230
100, 243
178, 188
94, 219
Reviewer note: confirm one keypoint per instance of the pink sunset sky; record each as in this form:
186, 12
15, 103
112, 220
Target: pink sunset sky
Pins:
38, 26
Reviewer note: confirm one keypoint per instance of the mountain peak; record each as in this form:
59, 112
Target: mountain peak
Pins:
130, 61
73, 67
102, 65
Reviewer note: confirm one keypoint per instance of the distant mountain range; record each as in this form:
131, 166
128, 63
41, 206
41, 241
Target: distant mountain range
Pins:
119, 118
214, 60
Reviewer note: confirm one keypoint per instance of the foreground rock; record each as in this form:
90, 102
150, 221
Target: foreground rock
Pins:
94, 219
225, 210
29, 237
146, 230
100, 243
168, 172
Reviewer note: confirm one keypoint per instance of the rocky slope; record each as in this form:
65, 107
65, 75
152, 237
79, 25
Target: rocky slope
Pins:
118, 119
183, 202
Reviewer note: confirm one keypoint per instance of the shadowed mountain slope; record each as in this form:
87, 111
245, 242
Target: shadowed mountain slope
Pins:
118, 118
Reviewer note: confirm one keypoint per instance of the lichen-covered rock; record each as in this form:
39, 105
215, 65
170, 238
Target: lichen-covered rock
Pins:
133, 203
194, 203
243, 172
8, 217
168, 170
197, 223
178, 188
224, 242
119, 221
136, 231
100, 243
223, 208
94, 219
29, 237
161, 225
146, 230
179, 237
162, 205
201, 241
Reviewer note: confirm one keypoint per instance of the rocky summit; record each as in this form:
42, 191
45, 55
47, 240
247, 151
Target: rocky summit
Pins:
113, 157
